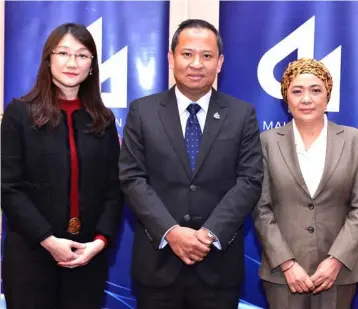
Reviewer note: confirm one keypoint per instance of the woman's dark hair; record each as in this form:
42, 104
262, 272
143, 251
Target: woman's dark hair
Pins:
43, 96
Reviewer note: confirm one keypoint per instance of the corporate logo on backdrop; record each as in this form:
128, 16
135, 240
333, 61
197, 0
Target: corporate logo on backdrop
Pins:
115, 69
302, 40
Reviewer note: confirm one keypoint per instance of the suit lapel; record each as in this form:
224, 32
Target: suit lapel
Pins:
334, 150
287, 147
215, 117
169, 116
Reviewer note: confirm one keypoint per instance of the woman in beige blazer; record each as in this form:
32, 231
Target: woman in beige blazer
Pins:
307, 217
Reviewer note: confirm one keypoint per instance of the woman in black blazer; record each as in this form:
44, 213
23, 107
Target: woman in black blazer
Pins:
60, 190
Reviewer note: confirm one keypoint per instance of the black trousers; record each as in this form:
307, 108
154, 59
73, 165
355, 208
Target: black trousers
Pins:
187, 292
32, 279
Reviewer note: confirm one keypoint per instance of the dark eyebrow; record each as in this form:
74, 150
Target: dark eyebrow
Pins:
311, 86
66, 47
191, 50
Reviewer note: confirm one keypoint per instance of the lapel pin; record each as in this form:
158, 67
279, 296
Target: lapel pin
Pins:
216, 116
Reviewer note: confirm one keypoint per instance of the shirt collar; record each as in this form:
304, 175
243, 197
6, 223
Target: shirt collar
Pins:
183, 101
298, 139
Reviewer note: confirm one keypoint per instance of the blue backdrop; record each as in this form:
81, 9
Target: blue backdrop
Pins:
260, 39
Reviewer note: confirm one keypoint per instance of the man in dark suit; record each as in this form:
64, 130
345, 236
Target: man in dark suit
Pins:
191, 169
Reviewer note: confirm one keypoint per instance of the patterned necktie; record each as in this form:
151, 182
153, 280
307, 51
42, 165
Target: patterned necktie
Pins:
192, 134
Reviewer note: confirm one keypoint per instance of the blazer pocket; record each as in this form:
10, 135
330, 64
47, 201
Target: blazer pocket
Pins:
227, 138
149, 236
36, 185
232, 239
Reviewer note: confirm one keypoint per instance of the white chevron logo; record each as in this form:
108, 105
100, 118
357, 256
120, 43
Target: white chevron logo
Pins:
301, 39
115, 69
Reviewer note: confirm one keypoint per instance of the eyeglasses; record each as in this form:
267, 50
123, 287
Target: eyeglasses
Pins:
65, 56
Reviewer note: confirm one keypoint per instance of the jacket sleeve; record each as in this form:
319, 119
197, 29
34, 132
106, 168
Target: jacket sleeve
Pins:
229, 215
142, 199
21, 213
273, 243
109, 220
345, 246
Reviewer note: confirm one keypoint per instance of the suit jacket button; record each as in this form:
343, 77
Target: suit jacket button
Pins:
310, 206
187, 217
310, 229
192, 187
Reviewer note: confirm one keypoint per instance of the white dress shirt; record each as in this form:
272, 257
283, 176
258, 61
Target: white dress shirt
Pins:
311, 161
183, 102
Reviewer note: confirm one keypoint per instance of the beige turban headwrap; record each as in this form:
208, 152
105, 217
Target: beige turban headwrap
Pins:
306, 66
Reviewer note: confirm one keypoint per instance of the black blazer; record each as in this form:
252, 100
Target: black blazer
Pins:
35, 178
161, 190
